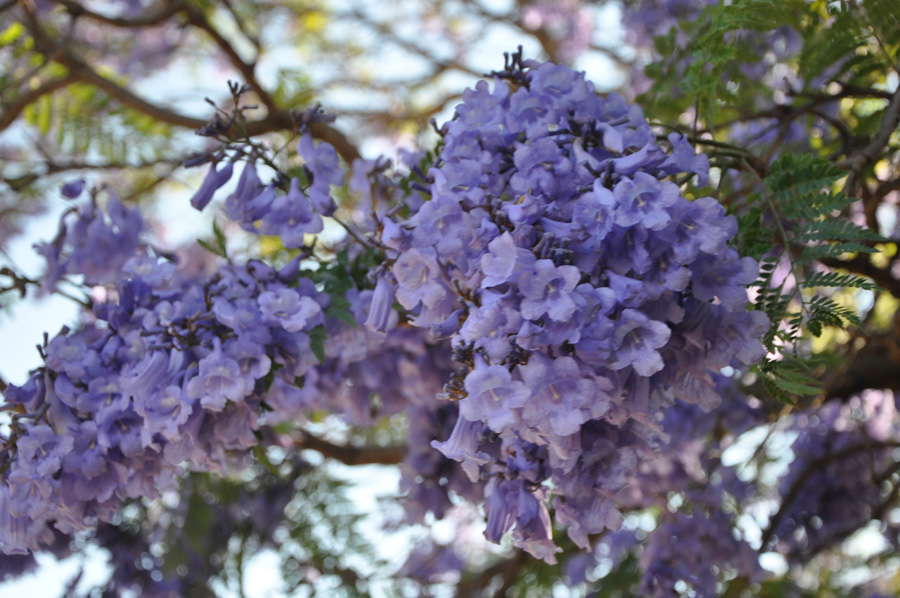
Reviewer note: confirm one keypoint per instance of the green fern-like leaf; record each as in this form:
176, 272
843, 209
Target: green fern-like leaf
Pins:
795, 179
789, 378
826, 310
836, 279
818, 206
836, 230
831, 250
829, 46
756, 239
884, 18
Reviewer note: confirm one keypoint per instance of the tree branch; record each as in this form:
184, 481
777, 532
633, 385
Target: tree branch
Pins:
862, 266
12, 110
865, 156
875, 365
77, 10
247, 69
80, 71
352, 455
507, 568
811, 467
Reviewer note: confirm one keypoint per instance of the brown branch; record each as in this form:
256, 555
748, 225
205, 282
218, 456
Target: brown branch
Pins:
77, 10
56, 167
875, 365
862, 266
12, 110
811, 467
80, 71
508, 568
866, 155
352, 455
241, 25
385, 32
247, 69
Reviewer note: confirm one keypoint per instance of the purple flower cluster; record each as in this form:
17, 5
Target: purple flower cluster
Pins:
258, 208
96, 245
182, 371
584, 293
589, 307
171, 374
683, 548
835, 484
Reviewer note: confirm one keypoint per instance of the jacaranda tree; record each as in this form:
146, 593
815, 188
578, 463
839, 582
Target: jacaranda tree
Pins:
644, 341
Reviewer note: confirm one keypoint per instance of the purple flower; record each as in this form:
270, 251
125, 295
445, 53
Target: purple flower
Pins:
489, 327
286, 308
418, 279
218, 381
244, 317
120, 428
699, 225
69, 354
684, 160
72, 189
644, 200
164, 411
443, 224
501, 510
638, 338
249, 186
738, 336
462, 446
250, 203
291, 216
594, 212
499, 263
18, 533
213, 181
322, 162
723, 276
493, 396
562, 398
547, 289
587, 515
381, 309
42, 450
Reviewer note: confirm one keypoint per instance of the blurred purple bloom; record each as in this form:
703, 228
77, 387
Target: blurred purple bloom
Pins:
291, 217
322, 162
213, 181
381, 309
286, 308
72, 189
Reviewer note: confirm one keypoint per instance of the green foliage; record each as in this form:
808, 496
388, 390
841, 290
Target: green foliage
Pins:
712, 79
836, 279
82, 120
317, 518
793, 222
849, 41
830, 45
796, 181
884, 18
219, 244
317, 338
